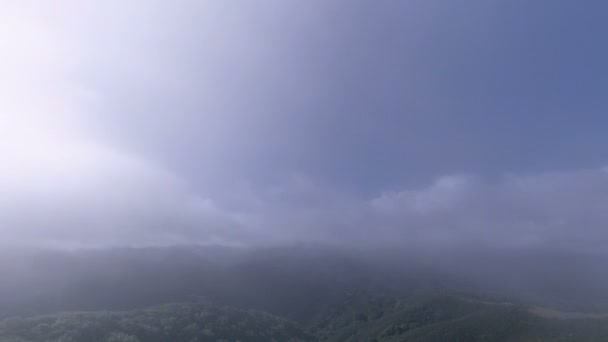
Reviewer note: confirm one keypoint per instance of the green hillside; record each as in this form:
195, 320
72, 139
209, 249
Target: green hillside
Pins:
168, 323
452, 319
360, 318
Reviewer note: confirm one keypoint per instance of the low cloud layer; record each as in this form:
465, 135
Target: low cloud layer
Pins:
129, 202
557, 209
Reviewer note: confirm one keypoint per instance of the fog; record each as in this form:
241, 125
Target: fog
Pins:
306, 149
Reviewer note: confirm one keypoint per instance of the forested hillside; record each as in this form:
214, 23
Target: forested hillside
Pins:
360, 318
449, 318
168, 323
298, 282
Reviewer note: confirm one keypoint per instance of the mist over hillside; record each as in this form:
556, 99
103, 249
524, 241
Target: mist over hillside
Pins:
302, 293
297, 282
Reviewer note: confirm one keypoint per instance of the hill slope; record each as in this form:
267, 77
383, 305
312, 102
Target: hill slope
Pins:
168, 323
385, 319
360, 318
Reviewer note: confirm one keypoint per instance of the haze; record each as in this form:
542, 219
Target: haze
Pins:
428, 145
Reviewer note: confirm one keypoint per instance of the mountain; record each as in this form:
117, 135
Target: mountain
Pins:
360, 318
192, 322
298, 282
310, 293
449, 318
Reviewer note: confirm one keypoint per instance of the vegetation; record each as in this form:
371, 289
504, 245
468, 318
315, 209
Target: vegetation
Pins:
448, 318
360, 318
299, 294
170, 323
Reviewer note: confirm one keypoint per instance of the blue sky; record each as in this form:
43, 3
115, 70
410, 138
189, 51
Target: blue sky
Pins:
286, 120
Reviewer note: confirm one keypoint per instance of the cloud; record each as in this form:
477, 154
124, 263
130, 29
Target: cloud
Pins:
66, 192
565, 209
559, 209
241, 100
73, 66
60, 184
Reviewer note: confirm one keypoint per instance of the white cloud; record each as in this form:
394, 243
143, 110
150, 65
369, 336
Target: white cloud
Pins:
443, 194
61, 186
76, 193
562, 209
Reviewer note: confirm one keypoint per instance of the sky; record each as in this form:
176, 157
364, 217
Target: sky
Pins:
270, 122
